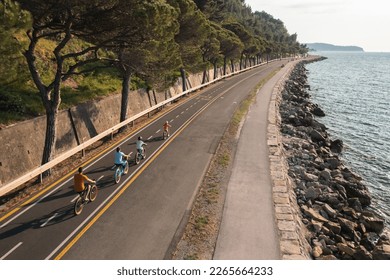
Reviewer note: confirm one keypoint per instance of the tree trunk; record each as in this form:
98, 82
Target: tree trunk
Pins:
183, 78
51, 99
215, 70
232, 64
224, 66
204, 78
125, 95
51, 135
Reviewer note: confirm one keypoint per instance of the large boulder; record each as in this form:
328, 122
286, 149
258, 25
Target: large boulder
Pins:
381, 252
317, 136
317, 111
336, 146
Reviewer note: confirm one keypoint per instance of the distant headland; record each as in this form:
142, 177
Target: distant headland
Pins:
321, 47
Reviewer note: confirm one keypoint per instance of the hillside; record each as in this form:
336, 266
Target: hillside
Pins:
320, 47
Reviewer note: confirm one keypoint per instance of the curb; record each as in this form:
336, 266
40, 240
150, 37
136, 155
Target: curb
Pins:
293, 244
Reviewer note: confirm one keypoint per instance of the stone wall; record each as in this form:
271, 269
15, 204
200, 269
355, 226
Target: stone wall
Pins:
293, 244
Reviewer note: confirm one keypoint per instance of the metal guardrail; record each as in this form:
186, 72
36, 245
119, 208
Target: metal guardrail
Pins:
40, 170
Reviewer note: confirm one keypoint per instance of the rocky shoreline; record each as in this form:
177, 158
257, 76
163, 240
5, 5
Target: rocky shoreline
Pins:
333, 200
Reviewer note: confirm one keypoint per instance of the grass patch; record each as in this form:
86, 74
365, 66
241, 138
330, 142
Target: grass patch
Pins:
224, 159
243, 109
191, 257
200, 222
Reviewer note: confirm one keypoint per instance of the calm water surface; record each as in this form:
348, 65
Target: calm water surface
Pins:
354, 91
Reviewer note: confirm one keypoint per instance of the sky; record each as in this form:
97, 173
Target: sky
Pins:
363, 23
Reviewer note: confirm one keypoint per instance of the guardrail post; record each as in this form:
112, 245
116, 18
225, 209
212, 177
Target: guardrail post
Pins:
112, 135
41, 178
83, 153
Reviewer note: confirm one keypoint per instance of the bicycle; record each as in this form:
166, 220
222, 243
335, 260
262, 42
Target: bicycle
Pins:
165, 134
121, 170
140, 155
92, 191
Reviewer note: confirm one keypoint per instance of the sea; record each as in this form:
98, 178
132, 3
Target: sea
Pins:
353, 89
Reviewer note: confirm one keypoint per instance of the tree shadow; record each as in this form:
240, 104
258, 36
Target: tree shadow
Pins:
100, 169
57, 216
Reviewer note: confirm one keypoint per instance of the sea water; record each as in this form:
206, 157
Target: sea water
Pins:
353, 88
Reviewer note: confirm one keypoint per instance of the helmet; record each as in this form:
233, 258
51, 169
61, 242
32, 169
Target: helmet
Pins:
118, 149
140, 138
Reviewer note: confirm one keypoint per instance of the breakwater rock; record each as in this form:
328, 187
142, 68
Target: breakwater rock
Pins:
333, 200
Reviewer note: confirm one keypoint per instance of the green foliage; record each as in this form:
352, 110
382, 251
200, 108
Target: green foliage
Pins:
192, 34
13, 22
211, 47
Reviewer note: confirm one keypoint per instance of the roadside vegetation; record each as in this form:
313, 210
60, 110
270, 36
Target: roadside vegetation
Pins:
56, 54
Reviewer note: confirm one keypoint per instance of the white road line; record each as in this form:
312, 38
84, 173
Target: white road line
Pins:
74, 199
32, 205
103, 175
182, 113
10, 251
177, 116
48, 220
150, 137
158, 131
171, 120
187, 109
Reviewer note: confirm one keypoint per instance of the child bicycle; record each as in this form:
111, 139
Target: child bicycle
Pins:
165, 134
166, 127
141, 154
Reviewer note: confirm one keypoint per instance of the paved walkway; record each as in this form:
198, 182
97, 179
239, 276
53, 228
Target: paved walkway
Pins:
249, 227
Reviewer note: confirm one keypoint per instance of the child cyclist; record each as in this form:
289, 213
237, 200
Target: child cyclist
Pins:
166, 127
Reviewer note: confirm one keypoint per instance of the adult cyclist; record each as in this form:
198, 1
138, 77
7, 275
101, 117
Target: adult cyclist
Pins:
120, 158
79, 184
140, 146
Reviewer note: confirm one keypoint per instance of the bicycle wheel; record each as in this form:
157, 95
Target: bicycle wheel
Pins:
165, 135
117, 175
137, 158
144, 153
126, 168
93, 193
78, 206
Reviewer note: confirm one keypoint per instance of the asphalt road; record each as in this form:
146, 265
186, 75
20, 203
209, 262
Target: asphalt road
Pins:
137, 218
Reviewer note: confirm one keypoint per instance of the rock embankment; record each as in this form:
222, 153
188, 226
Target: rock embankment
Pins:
332, 199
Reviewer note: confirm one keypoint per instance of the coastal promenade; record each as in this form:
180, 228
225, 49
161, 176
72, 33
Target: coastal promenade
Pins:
260, 221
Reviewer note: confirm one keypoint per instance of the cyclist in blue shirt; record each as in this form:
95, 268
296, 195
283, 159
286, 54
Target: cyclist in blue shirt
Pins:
120, 157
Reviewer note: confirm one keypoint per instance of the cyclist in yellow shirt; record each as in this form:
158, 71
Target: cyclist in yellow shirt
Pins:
79, 184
